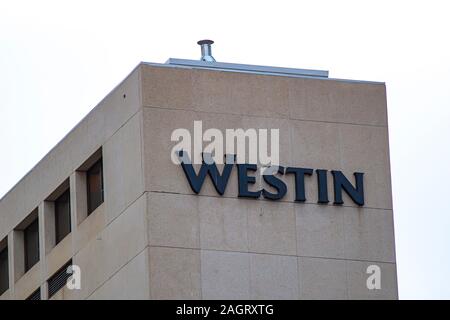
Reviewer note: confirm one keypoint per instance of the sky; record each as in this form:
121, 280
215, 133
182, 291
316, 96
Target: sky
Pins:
58, 59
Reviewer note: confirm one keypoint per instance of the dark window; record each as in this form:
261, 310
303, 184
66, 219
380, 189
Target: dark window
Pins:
31, 240
95, 186
4, 274
62, 216
59, 279
35, 295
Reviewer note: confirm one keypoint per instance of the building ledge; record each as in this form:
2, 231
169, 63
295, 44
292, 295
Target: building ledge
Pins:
247, 68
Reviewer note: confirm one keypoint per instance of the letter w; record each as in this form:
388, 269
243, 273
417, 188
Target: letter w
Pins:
220, 181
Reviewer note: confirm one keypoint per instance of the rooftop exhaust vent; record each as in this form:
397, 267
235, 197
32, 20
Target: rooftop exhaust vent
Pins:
206, 50
207, 61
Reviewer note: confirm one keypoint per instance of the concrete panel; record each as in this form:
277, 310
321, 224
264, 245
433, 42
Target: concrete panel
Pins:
115, 109
173, 220
366, 149
78, 198
225, 275
250, 94
271, 227
12, 203
357, 281
240, 93
166, 87
285, 136
345, 232
129, 283
174, 273
11, 262
59, 256
337, 101
212, 91
322, 278
160, 173
315, 145
89, 228
273, 277
47, 230
344, 147
122, 167
17, 255
369, 235
28, 283
44, 291
320, 231
123, 239
223, 224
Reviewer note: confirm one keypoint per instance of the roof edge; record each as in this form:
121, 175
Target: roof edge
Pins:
248, 68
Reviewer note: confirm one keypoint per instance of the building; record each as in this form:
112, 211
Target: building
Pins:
109, 200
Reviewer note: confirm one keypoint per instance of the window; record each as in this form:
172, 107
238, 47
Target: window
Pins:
94, 180
31, 244
62, 216
4, 273
59, 279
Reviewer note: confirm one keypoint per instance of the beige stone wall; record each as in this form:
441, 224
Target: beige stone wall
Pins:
110, 244
154, 238
213, 247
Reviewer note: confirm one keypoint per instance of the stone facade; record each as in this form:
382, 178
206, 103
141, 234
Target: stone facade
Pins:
153, 238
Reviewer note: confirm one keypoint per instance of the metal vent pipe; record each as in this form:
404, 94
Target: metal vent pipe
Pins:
206, 50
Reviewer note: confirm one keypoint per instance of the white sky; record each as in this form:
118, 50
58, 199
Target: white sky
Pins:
58, 59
